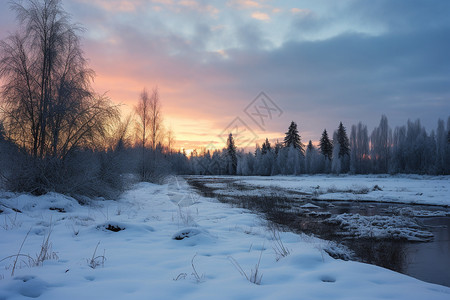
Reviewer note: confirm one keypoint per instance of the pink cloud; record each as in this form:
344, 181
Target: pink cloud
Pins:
260, 16
116, 5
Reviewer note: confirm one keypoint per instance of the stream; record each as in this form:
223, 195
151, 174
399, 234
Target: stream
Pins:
420, 248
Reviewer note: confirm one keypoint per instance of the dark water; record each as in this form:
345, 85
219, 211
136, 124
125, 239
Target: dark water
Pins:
427, 261
431, 261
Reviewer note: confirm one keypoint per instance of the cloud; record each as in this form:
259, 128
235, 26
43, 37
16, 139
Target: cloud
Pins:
244, 4
116, 5
260, 16
346, 61
300, 11
196, 6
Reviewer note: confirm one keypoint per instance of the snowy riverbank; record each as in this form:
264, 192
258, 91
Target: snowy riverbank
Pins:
413, 189
169, 252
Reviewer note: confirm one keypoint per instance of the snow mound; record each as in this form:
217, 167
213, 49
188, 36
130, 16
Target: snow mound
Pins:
51, 201
28, 286
192, 236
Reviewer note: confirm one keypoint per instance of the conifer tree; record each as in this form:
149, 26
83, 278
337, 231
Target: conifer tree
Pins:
326, 148
231, 153
310, 146
266, 147
293, 139
344, 144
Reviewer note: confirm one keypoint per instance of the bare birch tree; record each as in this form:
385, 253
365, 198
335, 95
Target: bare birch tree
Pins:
156, 128
48, 105
142, 111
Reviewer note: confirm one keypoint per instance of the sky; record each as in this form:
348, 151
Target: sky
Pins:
250, 67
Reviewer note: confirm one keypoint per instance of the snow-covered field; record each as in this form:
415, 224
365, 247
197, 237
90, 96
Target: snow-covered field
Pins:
433, 190
178, 245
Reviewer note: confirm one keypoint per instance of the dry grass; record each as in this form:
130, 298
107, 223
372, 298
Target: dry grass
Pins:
255, 276
97, 261
278, 245
45, 253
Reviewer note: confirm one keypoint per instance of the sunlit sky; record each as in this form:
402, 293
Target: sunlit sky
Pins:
319, 62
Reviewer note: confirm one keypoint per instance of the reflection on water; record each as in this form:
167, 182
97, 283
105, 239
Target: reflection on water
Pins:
431, 261
425, 261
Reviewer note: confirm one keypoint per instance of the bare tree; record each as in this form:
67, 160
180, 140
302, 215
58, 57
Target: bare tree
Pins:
149, 134
156, 128
48, 105
170, 139
142, 111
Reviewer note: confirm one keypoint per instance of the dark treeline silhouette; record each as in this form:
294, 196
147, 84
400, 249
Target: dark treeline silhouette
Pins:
406, 149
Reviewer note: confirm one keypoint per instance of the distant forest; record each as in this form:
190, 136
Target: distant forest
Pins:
58, 135
406, 149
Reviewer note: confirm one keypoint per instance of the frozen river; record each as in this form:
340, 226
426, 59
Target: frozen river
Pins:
406, 237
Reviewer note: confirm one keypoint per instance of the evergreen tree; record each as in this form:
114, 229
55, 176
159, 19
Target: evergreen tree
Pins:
310, 146
293, 139
344, 148
231, 153
266, 147
344, 144
326, 148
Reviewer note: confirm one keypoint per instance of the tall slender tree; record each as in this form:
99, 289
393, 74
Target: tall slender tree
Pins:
344, 144
380, 141
142, 111
231, 154
344, 148
156, 128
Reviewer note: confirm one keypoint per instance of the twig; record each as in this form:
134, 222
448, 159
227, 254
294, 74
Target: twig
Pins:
18, 252
197, 277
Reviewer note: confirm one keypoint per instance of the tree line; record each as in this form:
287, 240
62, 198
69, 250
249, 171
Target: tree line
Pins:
406, 149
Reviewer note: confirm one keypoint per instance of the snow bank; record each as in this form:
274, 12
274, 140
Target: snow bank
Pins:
165, 251
432, 190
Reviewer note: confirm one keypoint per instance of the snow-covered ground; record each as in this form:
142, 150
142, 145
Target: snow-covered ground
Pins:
178, 245
433, 190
